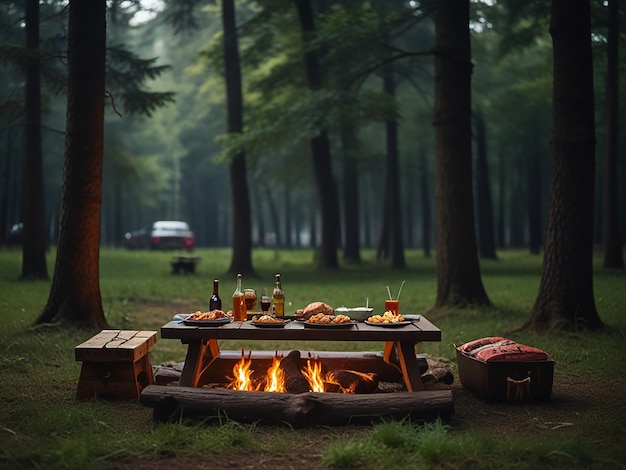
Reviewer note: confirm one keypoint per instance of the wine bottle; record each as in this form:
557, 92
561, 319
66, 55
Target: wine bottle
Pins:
239, 302
215, 303
278, 298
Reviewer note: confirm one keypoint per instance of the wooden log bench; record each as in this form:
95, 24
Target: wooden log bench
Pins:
184, 264
170, 403
115, 364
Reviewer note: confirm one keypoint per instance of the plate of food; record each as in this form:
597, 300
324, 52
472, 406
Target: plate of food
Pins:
387, 320
212, 318
322, 320
268, 321
396, 324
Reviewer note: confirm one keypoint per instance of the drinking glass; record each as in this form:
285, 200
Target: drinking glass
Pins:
266, 303
393, 305
250, 296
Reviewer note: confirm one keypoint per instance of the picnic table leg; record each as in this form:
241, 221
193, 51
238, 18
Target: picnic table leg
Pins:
199, 353
402, 356
192, 363
409, 366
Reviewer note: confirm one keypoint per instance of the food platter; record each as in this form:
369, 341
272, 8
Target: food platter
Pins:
348, 324
388, 325
210, 323
269, 324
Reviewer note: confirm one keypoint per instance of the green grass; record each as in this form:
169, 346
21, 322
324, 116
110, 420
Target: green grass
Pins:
43, 426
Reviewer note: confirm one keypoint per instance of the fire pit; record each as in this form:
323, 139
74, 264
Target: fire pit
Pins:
300, 388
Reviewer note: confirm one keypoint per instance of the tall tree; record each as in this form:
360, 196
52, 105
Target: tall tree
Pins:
533, 190
34, 238
613, 258
486, 242
391, 228
241, 261
425, 196
565, 294
349, 145
320, 150
75, 291
458, 273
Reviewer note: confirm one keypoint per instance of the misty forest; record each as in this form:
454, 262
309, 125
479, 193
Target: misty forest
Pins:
428, 125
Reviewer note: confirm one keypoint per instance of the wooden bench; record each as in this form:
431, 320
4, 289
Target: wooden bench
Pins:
116, 364
185, 264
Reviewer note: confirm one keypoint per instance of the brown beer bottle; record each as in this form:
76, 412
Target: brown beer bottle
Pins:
278, 298
239, 302
215, 303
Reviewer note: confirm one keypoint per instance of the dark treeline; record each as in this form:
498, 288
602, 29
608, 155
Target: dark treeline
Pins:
374, 100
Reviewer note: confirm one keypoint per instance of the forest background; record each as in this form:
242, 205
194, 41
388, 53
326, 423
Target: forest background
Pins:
172, 163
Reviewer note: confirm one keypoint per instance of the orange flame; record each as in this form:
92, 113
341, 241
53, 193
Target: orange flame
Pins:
313, 374
275, 379
243, 375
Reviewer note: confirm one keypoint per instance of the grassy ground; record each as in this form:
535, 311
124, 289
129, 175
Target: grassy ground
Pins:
42, 425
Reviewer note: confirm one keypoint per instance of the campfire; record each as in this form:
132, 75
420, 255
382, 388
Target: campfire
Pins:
325, 388
286, 375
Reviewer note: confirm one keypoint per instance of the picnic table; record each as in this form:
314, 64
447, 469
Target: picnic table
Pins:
399, 342
184, 264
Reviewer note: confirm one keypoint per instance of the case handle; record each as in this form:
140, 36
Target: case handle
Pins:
517, 390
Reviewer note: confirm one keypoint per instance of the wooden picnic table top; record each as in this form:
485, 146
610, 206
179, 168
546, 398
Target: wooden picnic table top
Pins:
417, 330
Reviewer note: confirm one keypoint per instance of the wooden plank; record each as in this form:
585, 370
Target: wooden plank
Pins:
116, 345
98, 340
126, 334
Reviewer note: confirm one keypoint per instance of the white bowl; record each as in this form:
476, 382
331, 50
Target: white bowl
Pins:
355, 313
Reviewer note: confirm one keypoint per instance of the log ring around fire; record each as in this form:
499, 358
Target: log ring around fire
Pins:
301, 410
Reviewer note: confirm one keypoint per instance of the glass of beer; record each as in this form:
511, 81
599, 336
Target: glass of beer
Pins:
250, 298
393, 306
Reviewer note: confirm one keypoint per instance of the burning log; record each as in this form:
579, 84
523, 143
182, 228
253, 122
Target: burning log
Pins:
350, 381
295, 382
302, 410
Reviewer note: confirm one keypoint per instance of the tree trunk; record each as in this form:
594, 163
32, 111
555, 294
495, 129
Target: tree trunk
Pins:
392, 183
533, 193
260, 213
275, 220
517, 220
242, 226
458, 273
5, 176
501, 200
565, 295
75, 291
352, 229
486, 243
613, 258
313, 222
427, 224
287, 207
33, 207
320, 151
